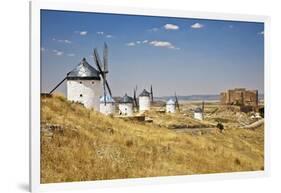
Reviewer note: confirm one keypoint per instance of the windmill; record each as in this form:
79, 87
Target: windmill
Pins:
103, 69
177, 102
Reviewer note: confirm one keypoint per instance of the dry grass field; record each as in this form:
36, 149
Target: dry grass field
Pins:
80, 145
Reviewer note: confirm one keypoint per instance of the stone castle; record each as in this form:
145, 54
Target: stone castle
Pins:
240, 97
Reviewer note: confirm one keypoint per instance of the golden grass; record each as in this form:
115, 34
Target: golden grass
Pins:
96, 147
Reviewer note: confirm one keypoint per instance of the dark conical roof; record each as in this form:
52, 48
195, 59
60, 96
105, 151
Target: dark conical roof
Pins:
126, 99
145, 93
83, 71
198, 110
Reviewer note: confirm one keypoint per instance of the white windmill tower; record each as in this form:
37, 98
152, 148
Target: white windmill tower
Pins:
144, 101
84, 85
107, 103
199, 112
171, 106
126, 106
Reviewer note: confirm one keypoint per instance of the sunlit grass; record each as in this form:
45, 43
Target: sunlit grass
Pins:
95, 147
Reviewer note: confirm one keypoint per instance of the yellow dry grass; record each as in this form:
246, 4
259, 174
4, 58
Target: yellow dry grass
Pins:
96, 147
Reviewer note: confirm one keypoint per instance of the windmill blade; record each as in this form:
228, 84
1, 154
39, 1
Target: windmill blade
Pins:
105, 59
57, 86
151, 94
135, 98
177, 102
98, 63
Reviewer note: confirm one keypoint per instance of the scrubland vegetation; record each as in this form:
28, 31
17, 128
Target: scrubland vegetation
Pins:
79, 145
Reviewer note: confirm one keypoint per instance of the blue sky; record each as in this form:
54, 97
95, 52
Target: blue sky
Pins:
187, 56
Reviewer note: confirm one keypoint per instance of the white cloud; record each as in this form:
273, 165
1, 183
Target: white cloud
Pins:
145, 41
131, 44
100, 33
58, 53
43, 49
71, 54
108, 36
197, 26
261, 33
65, 41
169, 26
163, 44
138, 42
83, 33
231, 26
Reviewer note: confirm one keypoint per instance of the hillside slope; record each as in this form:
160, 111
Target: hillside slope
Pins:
79, 145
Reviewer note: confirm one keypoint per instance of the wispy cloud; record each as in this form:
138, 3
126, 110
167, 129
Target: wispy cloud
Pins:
100, 33
43, 49
83, 33
261, 33
70, 54
197, 26
163, 44
138, 42
131, 44
62, 41
169, 26
65, 41
57, 52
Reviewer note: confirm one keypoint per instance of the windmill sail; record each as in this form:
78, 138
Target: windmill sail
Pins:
151, 94
177, 102
57, 86
105, 59
135, 97
98, 63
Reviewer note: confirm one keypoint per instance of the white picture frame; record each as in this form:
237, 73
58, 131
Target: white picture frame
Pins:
36, 6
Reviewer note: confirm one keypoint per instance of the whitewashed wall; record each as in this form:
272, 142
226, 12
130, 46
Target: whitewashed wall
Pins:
90, 91
198, 116
144, 103
170, 108
126, 109
107, 109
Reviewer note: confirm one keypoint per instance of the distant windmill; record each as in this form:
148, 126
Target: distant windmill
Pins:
103, 68
177, 102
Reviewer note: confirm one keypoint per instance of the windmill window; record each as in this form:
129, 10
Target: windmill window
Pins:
93, 82
80, 82
81, 95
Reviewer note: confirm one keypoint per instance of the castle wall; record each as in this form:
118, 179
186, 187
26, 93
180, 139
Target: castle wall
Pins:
240, 97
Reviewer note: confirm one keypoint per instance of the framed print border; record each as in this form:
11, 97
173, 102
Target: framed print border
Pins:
87, 6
